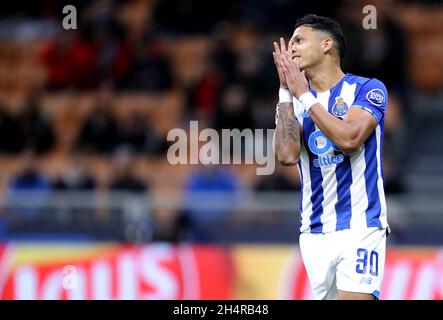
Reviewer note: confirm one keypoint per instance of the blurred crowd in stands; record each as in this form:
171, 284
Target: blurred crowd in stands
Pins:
213, 58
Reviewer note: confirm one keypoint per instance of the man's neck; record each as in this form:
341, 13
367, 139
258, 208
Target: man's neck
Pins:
324, 77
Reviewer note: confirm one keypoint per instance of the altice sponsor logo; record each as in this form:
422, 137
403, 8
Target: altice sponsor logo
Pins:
328, 160
320, 145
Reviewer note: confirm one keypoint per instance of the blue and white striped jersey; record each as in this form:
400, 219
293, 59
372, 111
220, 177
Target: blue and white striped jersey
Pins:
343, 191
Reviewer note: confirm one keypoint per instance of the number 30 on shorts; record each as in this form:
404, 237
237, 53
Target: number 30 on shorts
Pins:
362, 262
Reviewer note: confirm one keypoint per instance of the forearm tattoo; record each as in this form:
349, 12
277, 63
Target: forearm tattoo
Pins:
288, 128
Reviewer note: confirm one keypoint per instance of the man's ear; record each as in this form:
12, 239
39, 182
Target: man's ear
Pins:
328, 43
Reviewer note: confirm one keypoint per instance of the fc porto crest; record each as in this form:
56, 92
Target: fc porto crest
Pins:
340, 107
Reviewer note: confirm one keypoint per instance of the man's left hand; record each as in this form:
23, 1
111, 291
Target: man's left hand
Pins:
296, 79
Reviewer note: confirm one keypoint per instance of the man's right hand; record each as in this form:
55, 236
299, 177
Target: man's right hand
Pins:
277, 55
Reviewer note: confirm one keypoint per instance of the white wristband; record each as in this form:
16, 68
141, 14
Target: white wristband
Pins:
284, 95
307, 100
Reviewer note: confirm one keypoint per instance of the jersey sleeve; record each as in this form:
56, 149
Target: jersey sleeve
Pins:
372, 97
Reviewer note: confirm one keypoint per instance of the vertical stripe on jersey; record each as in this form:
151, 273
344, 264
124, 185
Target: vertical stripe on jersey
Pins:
343, 206
382, 216
306, 190
300, 171
303, 169
316, 181
329, 182
359, 198
380, 145
371, 177
343, 171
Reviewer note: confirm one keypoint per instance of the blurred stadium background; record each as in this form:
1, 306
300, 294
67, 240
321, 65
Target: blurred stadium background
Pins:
84, 178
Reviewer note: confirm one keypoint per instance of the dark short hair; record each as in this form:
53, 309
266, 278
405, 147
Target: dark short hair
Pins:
328, 25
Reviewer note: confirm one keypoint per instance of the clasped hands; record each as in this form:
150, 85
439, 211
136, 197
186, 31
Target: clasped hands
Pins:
290, 75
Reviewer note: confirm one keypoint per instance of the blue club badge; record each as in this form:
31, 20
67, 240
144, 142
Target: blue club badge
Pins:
340, 107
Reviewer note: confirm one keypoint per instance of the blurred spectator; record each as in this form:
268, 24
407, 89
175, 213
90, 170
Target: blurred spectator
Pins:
136, 133
379, 53
19, 8
151, 68
107, 36
395, 145
113, 60
282, 14
202, 92
223, 55
188, 16
119, 62
350, 18
210, 184
75, 176
424, 2
234, 112
263, 113
278, 181
71, 61
28, 179
384, 54
35, 127
165, 225
56, 55
253, 71
123, 174
125, 184
170, 226
96, 54
376, 53
10, 138
234, 109
99, 131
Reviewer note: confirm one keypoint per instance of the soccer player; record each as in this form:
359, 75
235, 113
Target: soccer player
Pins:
330, 124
